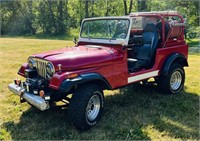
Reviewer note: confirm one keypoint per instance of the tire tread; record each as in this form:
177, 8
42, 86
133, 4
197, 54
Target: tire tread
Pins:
79, 100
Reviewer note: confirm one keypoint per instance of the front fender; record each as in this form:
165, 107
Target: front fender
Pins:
68, 84
22, 69
173, 58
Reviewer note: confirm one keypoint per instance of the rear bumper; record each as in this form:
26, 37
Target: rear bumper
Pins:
35, 100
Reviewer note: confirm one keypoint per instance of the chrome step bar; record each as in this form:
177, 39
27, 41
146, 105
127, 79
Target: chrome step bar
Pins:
35, 100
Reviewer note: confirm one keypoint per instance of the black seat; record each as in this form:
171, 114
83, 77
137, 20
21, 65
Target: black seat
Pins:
144, 55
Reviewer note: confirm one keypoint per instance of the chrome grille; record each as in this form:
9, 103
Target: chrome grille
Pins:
41, 67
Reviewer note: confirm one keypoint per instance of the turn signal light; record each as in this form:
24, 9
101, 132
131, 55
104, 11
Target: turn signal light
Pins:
70, 76
41, 93
17, 81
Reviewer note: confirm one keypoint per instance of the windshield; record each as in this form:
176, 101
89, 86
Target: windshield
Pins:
105, 29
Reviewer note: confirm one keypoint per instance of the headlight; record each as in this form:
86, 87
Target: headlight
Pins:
50, 70
31, 63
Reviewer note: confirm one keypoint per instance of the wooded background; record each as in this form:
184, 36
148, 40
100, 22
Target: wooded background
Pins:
58, 17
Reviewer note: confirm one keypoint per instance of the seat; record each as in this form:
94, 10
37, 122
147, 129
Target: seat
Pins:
144, 55
159, 27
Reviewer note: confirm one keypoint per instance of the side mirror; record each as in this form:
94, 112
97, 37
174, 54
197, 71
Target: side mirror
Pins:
75, 40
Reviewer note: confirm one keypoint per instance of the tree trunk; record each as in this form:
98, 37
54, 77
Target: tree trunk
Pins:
86, 9
125, 7
31, 17
142, 5
107, 7
28, 21
61, 28
93, 8
49, 4
131, 6
81, 14
60, 10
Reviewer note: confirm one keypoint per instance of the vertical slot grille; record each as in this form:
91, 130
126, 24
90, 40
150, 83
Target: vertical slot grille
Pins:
41, 68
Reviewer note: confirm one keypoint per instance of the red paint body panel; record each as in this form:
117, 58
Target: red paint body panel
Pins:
106, 69
22, 69
163, 53
73, 58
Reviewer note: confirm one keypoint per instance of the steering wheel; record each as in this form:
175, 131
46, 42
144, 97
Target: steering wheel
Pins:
131, 43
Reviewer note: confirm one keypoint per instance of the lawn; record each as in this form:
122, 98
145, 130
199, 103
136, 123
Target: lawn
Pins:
132, 113
193, 42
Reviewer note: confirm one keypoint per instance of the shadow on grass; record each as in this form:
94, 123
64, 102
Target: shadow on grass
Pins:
193, 44
129, 114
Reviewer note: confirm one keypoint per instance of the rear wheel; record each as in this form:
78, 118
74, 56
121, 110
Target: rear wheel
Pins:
86, 105
173, 82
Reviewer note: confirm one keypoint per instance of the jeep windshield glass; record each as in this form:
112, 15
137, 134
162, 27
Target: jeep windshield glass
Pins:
110, 29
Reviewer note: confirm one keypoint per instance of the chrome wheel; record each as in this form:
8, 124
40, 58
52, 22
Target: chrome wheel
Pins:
93, 108
175, 80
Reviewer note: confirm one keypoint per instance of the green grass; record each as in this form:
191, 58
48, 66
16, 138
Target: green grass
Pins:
132, 113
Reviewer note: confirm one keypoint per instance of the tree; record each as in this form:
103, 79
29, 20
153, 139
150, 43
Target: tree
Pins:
131, 6
61, 25
126, 12
125, 7
57, 17
86, 9
27, 15
142, 5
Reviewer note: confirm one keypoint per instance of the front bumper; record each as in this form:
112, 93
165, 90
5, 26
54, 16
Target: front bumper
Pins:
34, 100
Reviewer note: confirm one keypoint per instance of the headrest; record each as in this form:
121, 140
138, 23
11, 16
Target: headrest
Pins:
167, 27
138, 40
150, 27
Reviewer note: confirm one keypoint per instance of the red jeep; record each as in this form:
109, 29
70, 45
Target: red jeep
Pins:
111, 52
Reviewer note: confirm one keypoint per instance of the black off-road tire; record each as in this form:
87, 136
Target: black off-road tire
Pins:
83, 107
172, 83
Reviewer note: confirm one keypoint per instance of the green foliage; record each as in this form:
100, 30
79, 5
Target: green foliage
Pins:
29, 17
189, 9
194, 43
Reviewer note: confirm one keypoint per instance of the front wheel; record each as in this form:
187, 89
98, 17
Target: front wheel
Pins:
173, 82
86, 106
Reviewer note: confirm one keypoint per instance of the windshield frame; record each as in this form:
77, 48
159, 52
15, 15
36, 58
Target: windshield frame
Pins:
107, 40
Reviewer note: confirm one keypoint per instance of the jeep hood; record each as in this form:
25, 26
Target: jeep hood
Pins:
73, 58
